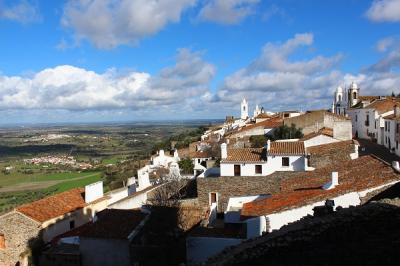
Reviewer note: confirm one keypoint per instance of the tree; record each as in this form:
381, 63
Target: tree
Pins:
258, 141
186, 165
285, 132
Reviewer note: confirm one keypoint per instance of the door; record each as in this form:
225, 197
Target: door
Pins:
237, 170
213, 198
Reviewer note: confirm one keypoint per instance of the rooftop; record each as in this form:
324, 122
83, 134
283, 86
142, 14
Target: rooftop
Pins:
114, 223
383, 105
54, 206
306, 188
287, 148
323, 131
246, 155
260, 154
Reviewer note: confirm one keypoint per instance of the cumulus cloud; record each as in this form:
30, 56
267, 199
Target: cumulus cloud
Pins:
20, 11
227, 11
390, 47
384, 11
274, 79
109, 23
72, 88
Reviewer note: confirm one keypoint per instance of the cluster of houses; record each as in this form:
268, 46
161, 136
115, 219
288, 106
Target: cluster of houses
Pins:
58, 160
244, 191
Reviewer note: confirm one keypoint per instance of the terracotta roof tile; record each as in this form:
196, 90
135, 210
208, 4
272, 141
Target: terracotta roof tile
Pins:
323, 131
287, 148
246, 155
306, 188
200, 154
56, 205
384, 105
270, 123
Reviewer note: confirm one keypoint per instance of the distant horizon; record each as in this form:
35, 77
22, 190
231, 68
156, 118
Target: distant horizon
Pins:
109, 123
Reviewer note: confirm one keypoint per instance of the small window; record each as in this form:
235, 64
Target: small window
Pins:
71, 224
397, 144
258, 169
285, 161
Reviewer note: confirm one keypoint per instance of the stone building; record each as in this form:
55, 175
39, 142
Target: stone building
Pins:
44, 219
313, 121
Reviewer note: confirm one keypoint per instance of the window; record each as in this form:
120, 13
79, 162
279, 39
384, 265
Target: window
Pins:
286, 115
285, 161
71, 224
356, 118
354, 95
2, 242
258, 169
397, 128
397, 144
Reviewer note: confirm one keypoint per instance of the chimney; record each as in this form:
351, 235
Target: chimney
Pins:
333, 183
396, 166
161, 153
396, 111
176, 155
224, 151
93, 191
268, 146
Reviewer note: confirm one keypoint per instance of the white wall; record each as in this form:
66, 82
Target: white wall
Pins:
319, 140
256, 226
199, 249
235, 204
273, 164
277, 220
136, 200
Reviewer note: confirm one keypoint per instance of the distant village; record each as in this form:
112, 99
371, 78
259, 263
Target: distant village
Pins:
254, 176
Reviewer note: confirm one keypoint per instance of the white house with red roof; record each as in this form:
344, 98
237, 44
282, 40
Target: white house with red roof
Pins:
276, 156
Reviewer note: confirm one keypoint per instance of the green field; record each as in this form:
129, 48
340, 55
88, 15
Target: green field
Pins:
123, 146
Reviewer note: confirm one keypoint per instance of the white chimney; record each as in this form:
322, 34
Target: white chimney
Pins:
396, 111
333, 183
143, 179
268, 145
396, 166
176, 155
93, 191
224, 151
161, 153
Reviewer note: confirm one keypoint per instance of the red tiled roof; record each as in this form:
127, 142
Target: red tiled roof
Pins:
287, 148
270, 123
200, 154
331, 147
56, 205
323, 131
263, 115
114, 223
245, 155
354, 175
384, 105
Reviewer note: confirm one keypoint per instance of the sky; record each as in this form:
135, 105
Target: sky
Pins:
135, 60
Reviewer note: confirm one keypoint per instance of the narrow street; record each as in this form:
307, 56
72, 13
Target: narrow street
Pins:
369, 147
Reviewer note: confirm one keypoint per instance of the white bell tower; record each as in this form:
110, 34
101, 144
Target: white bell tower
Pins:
354, 92
244, 109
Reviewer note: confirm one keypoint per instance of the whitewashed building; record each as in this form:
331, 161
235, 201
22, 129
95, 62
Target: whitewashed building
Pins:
276, 156
344, 187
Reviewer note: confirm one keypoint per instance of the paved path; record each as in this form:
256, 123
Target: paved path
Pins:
369, 147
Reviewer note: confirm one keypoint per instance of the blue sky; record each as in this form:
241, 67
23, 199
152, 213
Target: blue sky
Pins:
122, 60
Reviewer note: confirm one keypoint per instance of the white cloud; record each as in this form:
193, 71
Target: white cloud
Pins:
109, 23
390, 47
71, 88
22, 11
227, 11
384, 11
279, 83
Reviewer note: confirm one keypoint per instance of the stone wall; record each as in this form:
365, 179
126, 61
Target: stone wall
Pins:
324, 155
234, 186
18, 230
